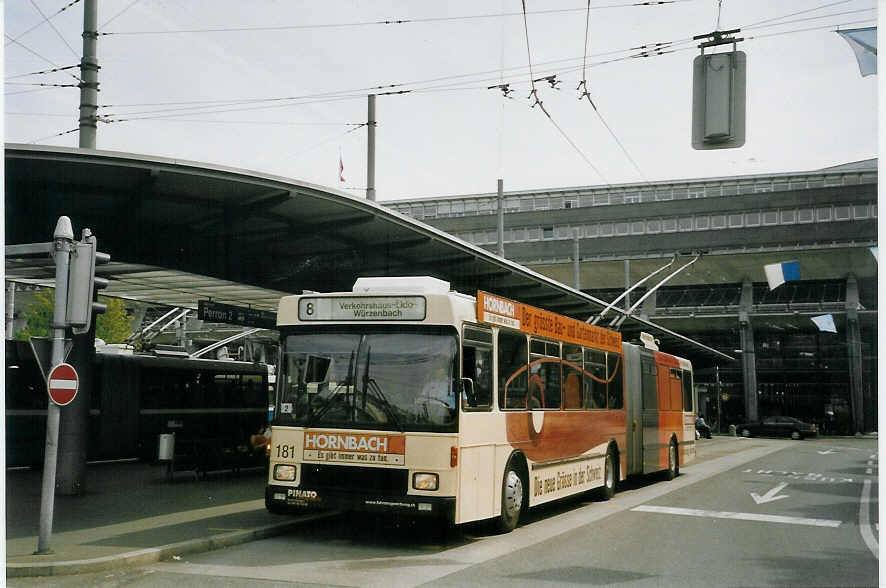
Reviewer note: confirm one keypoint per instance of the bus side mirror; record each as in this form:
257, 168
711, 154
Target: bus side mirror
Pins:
467, 392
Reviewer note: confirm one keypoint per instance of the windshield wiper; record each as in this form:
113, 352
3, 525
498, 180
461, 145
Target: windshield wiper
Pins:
370, 384
327, 401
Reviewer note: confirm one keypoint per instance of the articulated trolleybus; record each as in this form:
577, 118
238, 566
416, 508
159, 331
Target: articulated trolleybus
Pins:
405, 397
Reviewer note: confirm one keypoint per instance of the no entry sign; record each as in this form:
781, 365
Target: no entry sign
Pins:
62, 384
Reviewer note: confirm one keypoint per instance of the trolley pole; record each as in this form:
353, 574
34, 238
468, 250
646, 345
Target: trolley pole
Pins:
63, 242
370, 150
89, 75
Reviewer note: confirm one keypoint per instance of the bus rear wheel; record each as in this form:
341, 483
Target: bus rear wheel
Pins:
513, 497
607, 490
673, 466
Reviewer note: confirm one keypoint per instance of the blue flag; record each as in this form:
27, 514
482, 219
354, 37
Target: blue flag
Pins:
779, 273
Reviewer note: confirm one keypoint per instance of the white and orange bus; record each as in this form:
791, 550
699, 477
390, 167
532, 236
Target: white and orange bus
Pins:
406, 397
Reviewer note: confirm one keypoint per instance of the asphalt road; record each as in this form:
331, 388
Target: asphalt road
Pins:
749, 513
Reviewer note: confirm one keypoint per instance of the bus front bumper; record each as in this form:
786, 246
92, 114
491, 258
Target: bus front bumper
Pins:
288, 499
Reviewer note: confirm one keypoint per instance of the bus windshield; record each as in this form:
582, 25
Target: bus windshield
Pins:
369, 377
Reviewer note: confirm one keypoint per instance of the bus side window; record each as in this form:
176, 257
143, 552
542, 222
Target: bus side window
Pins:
512, 377
477, 365
595, 379
571, 376
613, 368
687, 391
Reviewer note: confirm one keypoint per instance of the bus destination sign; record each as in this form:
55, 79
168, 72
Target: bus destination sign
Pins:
535, 321
362, 308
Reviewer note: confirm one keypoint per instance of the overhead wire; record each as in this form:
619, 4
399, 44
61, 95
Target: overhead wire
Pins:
45, 71
387, 22
31, 51
41, 23
544, 110
57, 32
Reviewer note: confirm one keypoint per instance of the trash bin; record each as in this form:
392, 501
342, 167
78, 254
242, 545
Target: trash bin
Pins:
732, 430
166, 447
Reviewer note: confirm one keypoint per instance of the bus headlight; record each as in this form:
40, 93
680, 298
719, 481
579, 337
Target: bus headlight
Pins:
422, 481
285, 473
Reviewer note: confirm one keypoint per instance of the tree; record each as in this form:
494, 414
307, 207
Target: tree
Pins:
38, 314
115, 324
112, 327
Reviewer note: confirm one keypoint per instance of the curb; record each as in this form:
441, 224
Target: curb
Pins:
156, 554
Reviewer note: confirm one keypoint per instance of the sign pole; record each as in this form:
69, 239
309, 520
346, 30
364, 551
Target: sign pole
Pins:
63, 242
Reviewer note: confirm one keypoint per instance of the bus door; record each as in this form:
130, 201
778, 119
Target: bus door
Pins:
649, 413
477, 494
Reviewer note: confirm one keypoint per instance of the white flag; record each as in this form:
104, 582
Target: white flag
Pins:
825, 323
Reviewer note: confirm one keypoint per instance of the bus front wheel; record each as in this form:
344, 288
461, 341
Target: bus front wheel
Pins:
513, 496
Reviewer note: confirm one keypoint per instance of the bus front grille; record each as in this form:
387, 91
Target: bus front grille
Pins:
389, 482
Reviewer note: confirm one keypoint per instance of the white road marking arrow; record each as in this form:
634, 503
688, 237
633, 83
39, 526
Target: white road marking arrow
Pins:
770, 496
828, 452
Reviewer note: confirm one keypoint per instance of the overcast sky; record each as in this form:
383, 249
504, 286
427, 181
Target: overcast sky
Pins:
807, 104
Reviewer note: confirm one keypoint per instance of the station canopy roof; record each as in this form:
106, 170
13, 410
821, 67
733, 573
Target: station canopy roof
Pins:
179, 232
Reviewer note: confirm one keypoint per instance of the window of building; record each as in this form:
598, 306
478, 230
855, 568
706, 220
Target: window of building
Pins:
669, 225
483, 207
570, 203
417, 211
631, 197
430, 211
605, 229
617, 198
512, 376
548, 232
653, 226
841, 213
647, 195
735, 220
458, 207
601, 198
444, 208
729, 189
823, 214
563, 232
860, 211
542, 203
519, 235
512, 204
718, 221
590, 231
470, 207
556, 202
587, 200
533, 234
526, 203
804, 215
622, 228
685, 223
702, 223
665, 194
788, 216
637, 227
752, 219
770, 217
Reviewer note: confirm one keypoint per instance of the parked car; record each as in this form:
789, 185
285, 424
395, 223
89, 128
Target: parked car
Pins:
702, 429
778, 426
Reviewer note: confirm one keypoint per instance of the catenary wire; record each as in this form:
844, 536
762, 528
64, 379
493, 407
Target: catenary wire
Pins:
39, 24
57, 32
388, 21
